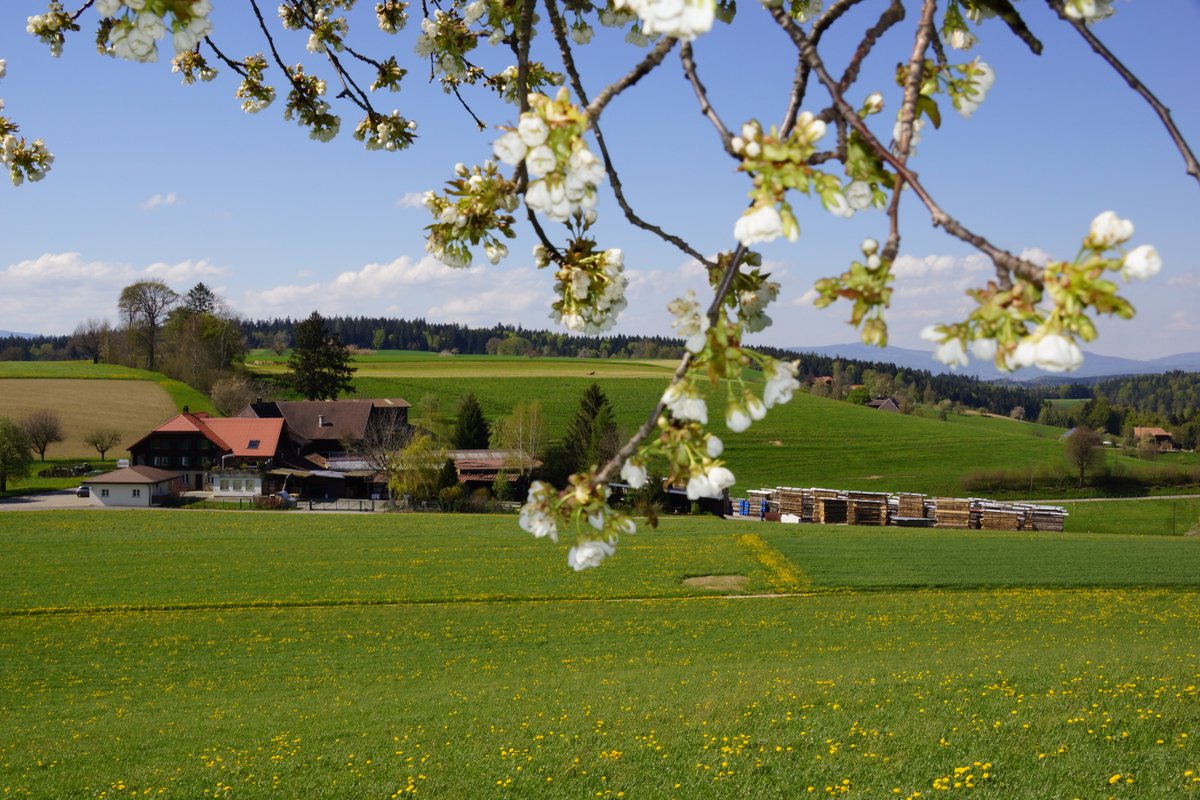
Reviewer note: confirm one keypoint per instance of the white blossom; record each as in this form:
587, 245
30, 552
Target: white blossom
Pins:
1088, 10
1023, 356
690, 321
951, 353
874, 103
1056, 353
586, 555
540, 161
859, 195
713, 446
984, 349
736, 418
835, 203
633, 473
684, 404
869, 246
533, 129
1143, 262
762, 224
536, 517
682, 19
781, 383
1108, 230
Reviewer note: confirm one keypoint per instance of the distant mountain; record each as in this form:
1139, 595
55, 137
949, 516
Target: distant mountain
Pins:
1094, 365
17, 333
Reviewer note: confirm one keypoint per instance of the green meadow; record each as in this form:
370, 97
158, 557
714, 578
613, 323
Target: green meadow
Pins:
216, 654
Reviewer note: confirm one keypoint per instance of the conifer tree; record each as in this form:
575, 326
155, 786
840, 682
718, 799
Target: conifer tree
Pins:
472, 431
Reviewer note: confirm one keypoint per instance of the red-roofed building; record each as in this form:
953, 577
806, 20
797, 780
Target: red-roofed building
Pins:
195, 444
1155, 437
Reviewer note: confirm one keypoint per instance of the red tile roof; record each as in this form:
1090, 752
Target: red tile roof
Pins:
239, 433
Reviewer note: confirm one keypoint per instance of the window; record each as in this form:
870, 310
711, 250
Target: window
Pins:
237, 484
137, 492
224, 484
253, 444
185, 461
104, 492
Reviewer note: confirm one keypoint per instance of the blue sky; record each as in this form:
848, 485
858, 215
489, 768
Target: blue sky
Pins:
155, 179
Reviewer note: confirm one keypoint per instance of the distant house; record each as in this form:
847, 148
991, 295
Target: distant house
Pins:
314, 460
884, 404
195, 444
478, 468
1159, 438
135, 486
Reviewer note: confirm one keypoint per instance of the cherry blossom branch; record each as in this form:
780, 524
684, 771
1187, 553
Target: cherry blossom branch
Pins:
1164, 113
75, 17
236, 66
524, 34
275, 53
891, 16
912, 81
800, 84
1001, 258
564, 46
653, 59
689, 69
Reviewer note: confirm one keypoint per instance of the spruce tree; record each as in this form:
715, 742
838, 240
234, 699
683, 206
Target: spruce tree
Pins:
472, 431
319, 366
591, 433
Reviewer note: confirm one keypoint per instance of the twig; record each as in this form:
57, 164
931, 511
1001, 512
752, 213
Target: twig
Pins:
75, 17
1001, 258
912, 81
688, 60
653, 59
523, 36
236, 66
1164, 114
800, 83
891, 16
564, 46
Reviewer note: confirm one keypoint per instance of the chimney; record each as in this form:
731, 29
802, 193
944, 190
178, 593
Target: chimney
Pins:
186, 410
320, 420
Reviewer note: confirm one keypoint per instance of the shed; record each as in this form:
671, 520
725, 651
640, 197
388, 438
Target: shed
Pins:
135, 486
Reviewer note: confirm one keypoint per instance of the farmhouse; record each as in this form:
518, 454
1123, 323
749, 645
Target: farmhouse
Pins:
479, 468
135, 486
1157, 437
314, 458
196, 444
884, 404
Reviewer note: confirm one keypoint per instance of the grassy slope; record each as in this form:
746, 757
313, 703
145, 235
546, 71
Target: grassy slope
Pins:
180, 393
1032, 693
810, 442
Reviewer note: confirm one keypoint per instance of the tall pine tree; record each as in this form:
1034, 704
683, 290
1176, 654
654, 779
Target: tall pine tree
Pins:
592, 433
472, 431
319, 366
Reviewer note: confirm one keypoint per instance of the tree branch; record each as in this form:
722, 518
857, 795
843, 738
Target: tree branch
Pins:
800, 84
652, 60
1164, 114
891, 16
1001, 258
564, 46
689, 69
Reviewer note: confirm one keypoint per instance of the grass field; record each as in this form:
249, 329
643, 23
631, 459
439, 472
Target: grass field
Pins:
810, 442
129, 406
180, 393
211, 654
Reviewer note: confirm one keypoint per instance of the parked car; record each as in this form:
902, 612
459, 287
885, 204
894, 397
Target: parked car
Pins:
83, 491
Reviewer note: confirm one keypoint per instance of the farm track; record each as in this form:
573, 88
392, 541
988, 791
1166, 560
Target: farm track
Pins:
173, 608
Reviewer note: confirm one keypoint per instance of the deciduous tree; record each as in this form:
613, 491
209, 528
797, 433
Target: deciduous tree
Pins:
42, 429
103, 439
15, 455
144, 305
1083, 450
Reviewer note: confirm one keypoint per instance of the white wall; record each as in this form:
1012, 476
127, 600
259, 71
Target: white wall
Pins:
126, 494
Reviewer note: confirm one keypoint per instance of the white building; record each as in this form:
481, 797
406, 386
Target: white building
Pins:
135, 486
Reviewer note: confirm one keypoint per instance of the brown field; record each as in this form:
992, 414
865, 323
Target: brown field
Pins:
132, 407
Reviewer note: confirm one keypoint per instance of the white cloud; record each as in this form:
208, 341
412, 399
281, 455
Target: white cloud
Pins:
1188, 280
1182, 322
55, 291
158, 200
907, 267
807, 299
411, 200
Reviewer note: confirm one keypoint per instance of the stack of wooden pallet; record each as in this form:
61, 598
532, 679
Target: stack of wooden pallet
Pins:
791, 500
867, 508
910, 505
1045, 518
829, 507
951, 512
1000, 516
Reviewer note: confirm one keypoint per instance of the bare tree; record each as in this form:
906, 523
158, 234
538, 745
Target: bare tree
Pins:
523, 431
89, 338
42, 429
234, 392
380, 447
1083, 450
103, 439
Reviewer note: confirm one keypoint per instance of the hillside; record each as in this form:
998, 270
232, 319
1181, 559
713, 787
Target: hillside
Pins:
812, 441
89, 396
